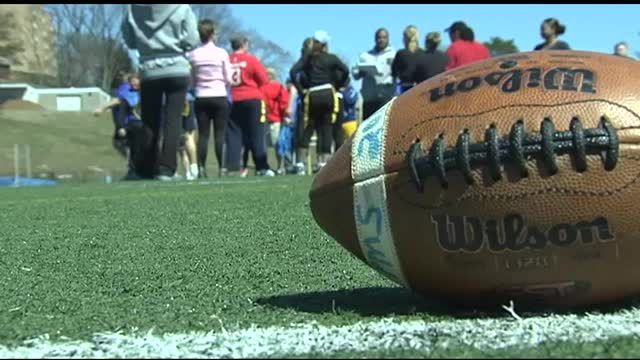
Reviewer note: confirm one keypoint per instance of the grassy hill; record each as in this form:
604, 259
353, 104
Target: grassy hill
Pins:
69, 143
64, 143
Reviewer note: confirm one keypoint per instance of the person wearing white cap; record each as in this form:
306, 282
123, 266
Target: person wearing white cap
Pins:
322, 75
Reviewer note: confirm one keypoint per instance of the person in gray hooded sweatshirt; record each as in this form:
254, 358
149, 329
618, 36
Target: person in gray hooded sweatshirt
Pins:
162, 34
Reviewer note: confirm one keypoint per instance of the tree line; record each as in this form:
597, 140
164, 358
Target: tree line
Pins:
89, 47
90, 51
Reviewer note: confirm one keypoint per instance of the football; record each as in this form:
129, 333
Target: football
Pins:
514, 178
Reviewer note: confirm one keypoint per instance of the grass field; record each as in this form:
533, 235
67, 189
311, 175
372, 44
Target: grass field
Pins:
222, 268
234, 268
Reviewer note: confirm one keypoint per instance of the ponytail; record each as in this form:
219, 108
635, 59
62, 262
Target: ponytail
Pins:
411, 38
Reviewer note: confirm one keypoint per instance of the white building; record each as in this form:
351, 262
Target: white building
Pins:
56, 99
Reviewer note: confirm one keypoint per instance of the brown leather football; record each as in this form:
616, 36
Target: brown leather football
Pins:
512, 178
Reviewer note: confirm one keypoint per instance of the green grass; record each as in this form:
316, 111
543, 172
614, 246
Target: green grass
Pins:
81, 259
64, 143
77, 260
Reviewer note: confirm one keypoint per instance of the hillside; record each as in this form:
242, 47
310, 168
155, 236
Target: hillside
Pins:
65, 143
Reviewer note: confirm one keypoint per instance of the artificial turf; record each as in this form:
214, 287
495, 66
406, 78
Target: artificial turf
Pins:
179, 257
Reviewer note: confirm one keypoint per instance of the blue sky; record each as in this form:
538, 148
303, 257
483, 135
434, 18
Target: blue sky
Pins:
589, 27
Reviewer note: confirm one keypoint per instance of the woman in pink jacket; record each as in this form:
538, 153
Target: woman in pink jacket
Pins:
211, 75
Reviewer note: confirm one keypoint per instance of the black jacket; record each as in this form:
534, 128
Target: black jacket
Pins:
320, 69
407, 67
558, 45
432, 64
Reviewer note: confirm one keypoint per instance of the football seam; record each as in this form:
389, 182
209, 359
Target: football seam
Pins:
560, 190
406, 134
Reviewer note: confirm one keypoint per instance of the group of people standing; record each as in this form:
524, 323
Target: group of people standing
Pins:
323, 81
186, 82
386, 72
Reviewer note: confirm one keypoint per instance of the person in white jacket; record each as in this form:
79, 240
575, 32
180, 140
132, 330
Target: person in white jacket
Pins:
374, 68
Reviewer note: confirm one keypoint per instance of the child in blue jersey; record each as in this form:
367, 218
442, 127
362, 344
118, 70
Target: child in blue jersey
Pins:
346, 123
129, 126
349, 121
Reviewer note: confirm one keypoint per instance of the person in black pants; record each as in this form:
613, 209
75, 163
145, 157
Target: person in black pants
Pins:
161, 161
211, 110
211, 72
322, 73
162, 34
248, 111
245, 133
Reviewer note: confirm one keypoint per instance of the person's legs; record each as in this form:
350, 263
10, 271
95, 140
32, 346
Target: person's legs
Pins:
246, 145
203, 116
136, 140
119, 113
255, 132
273, 133
234, 138
368, 108
151, 108
304, 130
175, 91
189, 126
183, 156
220, 115
322, 113
324, 129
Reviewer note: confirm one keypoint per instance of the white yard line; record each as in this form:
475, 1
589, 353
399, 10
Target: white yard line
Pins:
388, 334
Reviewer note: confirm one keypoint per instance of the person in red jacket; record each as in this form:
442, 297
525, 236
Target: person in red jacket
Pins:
248, 118
276, 96
464, 49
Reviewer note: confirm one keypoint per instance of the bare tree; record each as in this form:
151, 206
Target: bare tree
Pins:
270, 53
221, 15
91, 51
90, 48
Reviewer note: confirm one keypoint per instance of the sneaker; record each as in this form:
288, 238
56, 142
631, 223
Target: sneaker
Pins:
280, 172
267, 173
175, 177
193, 171
244, 173
299, 169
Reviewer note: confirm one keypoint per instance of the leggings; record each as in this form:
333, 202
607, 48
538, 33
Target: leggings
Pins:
337, 132
211, 110
321, 109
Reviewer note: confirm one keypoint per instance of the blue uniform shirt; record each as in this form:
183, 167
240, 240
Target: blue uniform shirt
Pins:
350, 99
132, 98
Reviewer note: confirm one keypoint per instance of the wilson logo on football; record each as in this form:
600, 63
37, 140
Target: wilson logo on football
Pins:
560, 78
470, 234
